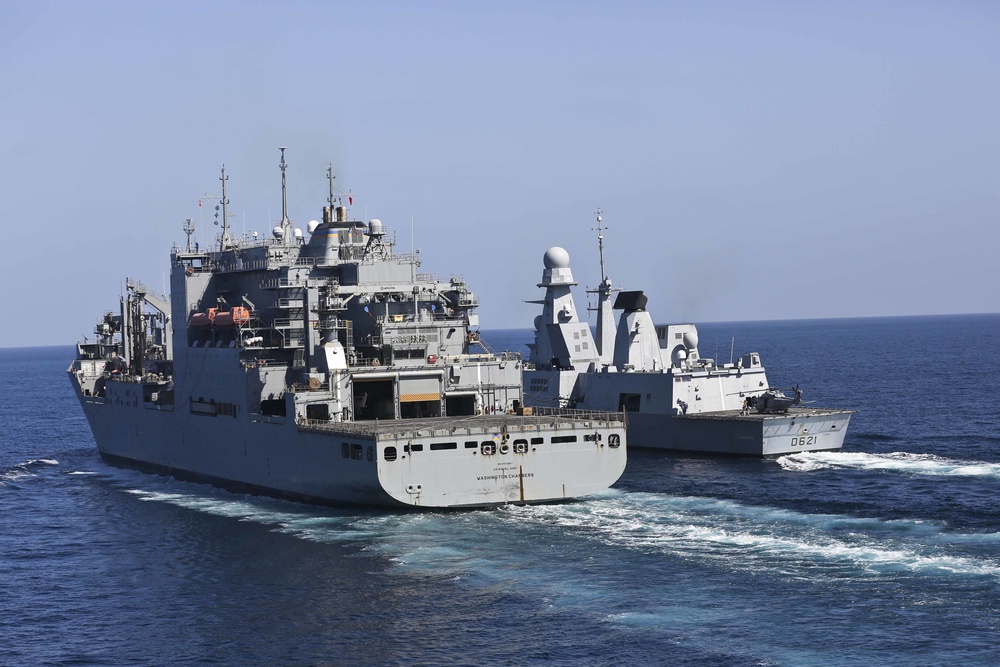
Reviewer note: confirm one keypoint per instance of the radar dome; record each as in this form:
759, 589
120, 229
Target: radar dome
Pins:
556, 258
691, 339
278, 232
313, 224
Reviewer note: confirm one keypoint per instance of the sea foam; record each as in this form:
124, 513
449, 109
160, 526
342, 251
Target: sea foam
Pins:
902, 462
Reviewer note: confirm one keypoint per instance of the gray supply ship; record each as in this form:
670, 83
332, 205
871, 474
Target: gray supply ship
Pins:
328, 369
673, 398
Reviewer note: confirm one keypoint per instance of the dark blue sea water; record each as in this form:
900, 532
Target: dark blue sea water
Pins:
887, 553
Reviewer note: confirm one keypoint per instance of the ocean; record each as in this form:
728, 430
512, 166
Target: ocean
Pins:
885, 553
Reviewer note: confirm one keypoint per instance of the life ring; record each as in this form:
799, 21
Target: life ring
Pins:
505, 448
189, 271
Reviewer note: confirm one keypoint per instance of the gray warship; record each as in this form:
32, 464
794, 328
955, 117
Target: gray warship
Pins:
673, 398
329, 370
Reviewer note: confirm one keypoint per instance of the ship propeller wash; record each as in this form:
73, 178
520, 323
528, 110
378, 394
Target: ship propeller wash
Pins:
672, 396
326, 368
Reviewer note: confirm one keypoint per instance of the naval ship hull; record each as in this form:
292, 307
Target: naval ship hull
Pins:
735, 433
481, 461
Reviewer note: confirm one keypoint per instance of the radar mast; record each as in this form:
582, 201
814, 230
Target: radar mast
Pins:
189, 230
600, 242
605, 314
330, 177
224, 240
286, 224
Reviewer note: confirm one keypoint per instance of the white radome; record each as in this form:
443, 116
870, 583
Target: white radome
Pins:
556, 258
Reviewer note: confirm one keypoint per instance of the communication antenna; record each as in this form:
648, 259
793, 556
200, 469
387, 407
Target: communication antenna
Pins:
605, 289
600, 242
224, 241
330, 177
285, 222
605, 315
189, 230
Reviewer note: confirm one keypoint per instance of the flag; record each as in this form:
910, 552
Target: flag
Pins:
199, 203
350, 200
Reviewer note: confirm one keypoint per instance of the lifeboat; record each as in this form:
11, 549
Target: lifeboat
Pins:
238, 315
203, 319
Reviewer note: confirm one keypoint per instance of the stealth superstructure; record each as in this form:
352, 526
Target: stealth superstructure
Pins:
672, 396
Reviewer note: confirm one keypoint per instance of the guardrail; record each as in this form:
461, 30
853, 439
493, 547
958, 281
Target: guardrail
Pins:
542, 418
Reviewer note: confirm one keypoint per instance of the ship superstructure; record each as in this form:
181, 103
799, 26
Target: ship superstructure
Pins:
672, 396
327, 367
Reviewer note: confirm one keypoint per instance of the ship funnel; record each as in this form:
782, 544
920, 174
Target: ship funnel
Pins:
341, 214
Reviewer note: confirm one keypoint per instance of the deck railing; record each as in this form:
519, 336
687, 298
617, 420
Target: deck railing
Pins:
542, 418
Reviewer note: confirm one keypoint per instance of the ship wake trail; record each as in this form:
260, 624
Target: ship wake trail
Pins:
707, 532
793, 544
901, 462
732, 535
281, 516
24, 470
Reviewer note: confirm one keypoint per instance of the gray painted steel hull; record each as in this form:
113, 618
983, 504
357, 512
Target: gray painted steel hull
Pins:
730, 433
315, 462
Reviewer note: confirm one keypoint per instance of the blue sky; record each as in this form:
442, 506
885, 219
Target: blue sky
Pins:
766, 160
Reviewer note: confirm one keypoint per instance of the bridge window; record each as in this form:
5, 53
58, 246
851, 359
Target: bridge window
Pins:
318, 411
